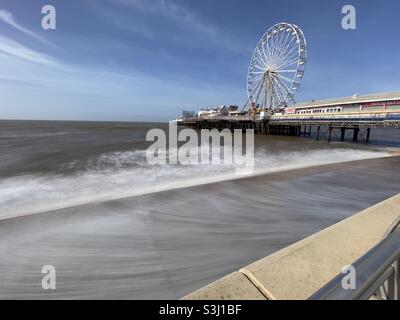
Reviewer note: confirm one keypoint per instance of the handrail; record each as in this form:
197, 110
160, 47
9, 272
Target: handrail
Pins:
377, 266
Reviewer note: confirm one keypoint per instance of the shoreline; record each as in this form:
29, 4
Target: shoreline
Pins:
288, 171
177, 241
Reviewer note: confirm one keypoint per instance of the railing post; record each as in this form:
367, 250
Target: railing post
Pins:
396, 280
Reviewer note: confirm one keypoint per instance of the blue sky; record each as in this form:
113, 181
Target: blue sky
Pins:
143, 60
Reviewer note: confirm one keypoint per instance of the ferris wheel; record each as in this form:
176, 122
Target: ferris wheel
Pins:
277, 67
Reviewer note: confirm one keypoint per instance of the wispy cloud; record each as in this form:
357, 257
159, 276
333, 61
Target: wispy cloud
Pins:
15, 49
186, 18
8, 18
123, 24
173, 11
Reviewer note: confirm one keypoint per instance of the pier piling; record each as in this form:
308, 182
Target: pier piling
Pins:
368, 135
355, 134
330, 134
290, 128
343, 134
318, 130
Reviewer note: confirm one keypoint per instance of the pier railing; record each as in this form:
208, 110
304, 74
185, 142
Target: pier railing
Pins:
376, 119
223, 118
377, 275
359, 123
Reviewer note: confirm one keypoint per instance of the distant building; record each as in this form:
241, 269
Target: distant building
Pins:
206, 113
187, 114
237, 113
233, 108
357, 103
222, 110
213, 112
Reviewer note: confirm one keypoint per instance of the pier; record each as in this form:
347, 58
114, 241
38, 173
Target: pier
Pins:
355, 127
343, 119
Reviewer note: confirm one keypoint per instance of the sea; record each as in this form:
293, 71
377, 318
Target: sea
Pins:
82, 197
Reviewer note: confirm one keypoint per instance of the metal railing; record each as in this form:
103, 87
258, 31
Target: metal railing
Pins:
372, 119
223, 118
377, 274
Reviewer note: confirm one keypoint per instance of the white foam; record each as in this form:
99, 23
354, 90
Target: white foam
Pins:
125, 174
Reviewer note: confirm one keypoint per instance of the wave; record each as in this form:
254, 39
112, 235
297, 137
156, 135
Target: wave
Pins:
119, 175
